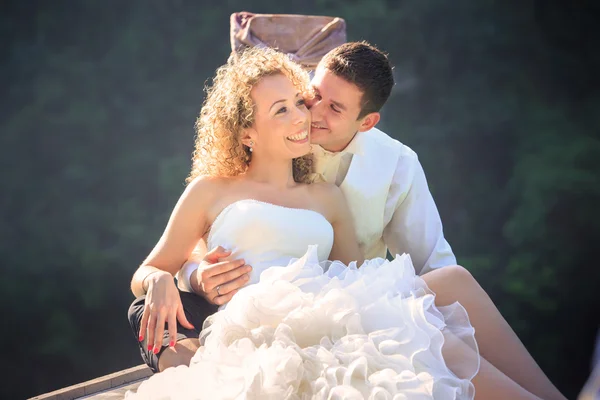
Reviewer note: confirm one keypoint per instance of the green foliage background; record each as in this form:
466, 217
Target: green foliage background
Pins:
98, 102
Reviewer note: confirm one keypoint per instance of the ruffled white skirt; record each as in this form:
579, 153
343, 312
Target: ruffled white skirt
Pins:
347, 333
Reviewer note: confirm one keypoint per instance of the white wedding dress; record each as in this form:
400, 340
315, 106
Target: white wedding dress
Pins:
305, 328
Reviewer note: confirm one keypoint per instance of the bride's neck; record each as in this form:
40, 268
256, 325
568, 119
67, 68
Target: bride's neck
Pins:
277, 173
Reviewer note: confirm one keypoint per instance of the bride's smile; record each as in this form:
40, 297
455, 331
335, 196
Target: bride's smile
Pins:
281, 129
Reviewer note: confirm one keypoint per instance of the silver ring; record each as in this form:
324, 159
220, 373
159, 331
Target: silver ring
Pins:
218, 287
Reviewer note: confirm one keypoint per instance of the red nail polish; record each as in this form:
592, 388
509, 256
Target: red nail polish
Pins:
150, 347
140, 338
172, 343
156, 350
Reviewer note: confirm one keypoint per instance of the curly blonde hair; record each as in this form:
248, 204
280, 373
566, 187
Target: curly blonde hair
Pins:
228, 109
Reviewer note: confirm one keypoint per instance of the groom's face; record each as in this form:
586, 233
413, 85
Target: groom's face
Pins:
334, 110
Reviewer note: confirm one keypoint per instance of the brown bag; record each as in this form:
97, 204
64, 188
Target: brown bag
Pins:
305, 38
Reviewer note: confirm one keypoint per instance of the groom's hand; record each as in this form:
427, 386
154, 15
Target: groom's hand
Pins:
218, 280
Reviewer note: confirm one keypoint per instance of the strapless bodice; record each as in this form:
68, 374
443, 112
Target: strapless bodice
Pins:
265, 234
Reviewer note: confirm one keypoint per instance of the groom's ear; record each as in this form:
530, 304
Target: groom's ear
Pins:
369, 121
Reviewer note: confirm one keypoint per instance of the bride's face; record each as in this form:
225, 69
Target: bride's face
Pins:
281, 120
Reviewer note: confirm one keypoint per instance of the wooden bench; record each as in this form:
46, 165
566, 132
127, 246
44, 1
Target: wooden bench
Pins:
112, 386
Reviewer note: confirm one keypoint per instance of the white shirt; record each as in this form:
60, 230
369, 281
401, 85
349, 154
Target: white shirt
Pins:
411, 221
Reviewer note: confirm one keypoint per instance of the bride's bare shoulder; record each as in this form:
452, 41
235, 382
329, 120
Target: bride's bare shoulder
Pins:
205, 189
327, 194
332, 204
217, 183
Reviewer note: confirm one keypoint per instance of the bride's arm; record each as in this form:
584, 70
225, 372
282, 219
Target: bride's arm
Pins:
187, 224
345, 244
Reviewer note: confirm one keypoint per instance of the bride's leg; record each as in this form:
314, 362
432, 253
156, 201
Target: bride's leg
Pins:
497, 342
490, 383
180, 354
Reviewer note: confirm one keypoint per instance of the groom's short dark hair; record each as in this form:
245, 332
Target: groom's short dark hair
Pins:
365, 66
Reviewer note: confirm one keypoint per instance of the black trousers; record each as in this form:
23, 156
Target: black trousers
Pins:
196, 309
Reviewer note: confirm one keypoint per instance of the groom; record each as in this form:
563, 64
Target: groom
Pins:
382, 180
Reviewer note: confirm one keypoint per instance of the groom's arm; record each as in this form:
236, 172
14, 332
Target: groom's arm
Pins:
212, 276
415, 226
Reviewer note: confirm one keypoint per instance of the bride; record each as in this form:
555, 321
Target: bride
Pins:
303, 327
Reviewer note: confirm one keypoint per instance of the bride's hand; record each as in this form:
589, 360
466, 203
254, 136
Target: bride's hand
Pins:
218, 280
163, 305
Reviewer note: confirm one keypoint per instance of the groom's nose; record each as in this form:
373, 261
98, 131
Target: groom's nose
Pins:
310, 100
